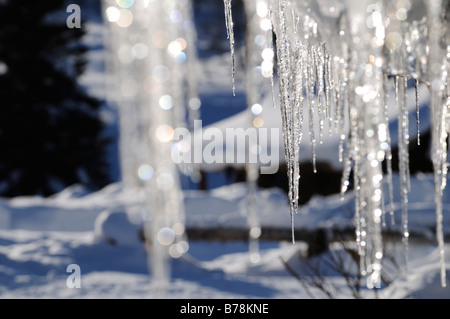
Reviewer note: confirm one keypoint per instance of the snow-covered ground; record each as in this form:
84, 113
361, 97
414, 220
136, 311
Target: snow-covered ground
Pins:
41, 237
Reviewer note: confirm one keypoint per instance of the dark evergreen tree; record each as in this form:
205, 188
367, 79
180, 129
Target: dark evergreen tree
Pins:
50, 129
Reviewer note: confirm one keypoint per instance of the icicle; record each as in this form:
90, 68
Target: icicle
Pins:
295, 20
361, 228
194, 102
319, 61
387, 146
297, 115
345, 180
403, 155
284, 75
341, 102
416, 89
185, 103
328, 88
230, 36
311, 99
269, 40
352, 150
383, 213
438, 109
365, 89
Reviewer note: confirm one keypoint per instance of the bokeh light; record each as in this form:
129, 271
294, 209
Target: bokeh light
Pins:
166, 102
166, 236
145, 172
125, 18
125, 4
112, 14
164, 133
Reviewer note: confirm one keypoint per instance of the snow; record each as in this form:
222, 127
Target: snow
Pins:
40, 237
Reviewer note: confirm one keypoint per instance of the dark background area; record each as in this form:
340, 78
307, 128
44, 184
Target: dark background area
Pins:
51, 135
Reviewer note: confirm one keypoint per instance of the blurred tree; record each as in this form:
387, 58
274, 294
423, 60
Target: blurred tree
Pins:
50, 129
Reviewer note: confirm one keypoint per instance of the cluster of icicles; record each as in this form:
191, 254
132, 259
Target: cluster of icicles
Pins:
338, 69
334, 72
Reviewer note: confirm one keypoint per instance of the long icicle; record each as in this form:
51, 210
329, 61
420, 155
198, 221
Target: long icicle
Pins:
439, 146
230, 35
403, 141
387, 147
283, 54
416, 90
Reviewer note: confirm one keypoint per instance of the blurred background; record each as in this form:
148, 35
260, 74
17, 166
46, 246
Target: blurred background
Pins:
57, 130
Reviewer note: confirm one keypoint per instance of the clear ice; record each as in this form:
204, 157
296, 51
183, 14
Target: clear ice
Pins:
337, 63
